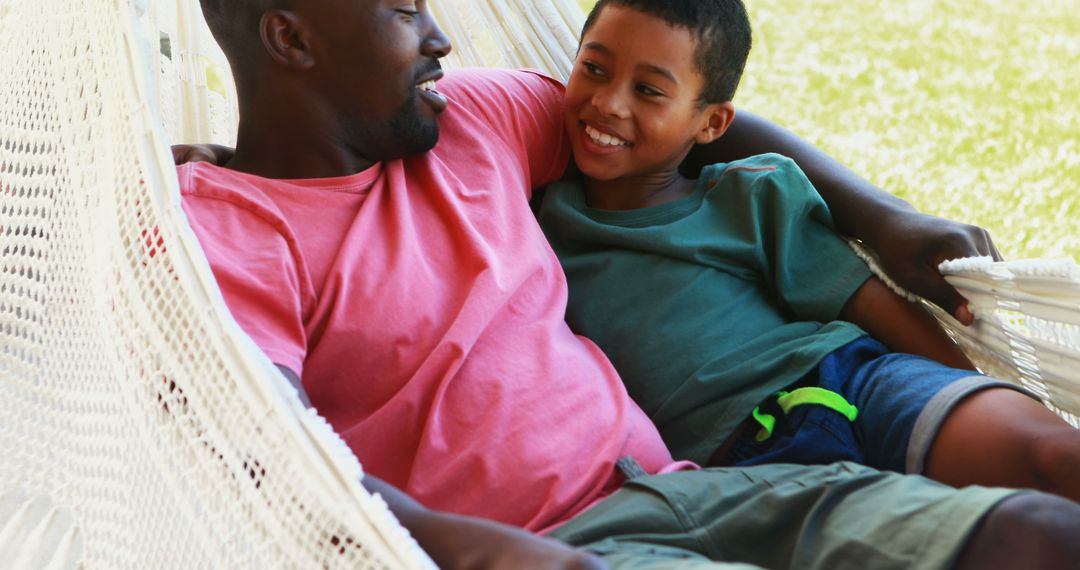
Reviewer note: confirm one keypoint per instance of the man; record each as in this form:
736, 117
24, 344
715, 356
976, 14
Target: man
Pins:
372, 234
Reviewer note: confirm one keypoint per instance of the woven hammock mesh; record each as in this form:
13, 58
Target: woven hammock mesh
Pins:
141, 428
1027, 322
1028, 325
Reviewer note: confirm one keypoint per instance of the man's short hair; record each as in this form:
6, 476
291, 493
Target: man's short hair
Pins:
235, 23
722, 30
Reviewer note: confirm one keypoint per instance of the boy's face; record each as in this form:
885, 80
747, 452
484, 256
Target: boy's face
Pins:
377, 61
632, 99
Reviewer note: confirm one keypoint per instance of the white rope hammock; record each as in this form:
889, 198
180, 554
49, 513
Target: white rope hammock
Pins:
1027, 326
141, 428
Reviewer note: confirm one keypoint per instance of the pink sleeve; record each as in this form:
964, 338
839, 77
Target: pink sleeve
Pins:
257, 273
525, 108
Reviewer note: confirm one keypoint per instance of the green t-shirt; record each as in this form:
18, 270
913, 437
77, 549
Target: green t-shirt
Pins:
708, 304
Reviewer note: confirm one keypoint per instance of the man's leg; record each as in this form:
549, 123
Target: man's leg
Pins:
1026, 531
841, 516
1003, 438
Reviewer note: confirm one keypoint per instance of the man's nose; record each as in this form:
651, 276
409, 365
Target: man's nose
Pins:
435, 44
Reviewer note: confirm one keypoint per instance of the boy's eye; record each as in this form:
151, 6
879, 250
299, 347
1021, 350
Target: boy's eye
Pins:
592, 68
649, 91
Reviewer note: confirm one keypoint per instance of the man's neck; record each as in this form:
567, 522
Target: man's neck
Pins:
285, 133
293, 154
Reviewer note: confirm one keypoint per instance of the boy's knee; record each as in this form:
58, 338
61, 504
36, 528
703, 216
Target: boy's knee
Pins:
1030, 530
1055, 458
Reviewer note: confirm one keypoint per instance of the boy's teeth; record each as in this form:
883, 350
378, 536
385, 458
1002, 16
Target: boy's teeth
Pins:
603, 138
426, 86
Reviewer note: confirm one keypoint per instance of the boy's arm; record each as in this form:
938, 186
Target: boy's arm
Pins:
910, 244
456, 541
901, 325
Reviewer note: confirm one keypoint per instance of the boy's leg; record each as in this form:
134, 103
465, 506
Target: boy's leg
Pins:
783, 516
1001, 437
917, 416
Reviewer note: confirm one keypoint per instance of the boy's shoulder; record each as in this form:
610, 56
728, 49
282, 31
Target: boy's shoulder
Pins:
757, 166
765, 180
760, 173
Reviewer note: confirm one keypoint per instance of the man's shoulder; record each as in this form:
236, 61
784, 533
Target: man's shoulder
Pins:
202, 178
483, 79
207, 190
517, 114
501, 91
205, 180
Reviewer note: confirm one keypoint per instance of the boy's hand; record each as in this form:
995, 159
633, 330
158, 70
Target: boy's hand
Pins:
911, 245
212, 153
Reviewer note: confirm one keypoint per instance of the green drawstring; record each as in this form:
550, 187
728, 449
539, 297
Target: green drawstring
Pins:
801, 397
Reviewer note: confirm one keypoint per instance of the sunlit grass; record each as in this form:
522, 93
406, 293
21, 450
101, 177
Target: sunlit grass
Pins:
967, 109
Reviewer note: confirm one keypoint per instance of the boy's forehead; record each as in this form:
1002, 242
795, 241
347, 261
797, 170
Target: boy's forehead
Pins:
617, 26
617, 18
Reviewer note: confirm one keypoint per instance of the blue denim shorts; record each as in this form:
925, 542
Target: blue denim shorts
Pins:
902, 401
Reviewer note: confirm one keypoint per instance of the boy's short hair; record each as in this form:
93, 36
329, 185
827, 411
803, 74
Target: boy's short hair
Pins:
722, 30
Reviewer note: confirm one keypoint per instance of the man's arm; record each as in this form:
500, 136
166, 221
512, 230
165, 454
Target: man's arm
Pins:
910, 244
901, 325
456, 541
213, 153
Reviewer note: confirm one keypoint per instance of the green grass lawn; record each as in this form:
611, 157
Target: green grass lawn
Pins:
967, 109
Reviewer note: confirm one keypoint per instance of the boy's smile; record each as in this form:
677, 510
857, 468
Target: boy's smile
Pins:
633, 106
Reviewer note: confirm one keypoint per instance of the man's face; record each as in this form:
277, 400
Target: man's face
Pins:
376, 65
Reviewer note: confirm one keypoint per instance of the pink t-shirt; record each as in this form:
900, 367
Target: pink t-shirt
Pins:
424, 310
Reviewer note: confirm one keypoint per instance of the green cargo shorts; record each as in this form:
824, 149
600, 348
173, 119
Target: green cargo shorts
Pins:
832, 517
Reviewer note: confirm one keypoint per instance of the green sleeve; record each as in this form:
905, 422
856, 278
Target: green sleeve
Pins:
803, 259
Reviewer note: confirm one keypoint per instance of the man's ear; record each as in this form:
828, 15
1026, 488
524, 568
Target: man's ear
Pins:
285, 39
719, 117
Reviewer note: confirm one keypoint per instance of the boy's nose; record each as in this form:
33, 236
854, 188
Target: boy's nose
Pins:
610, 102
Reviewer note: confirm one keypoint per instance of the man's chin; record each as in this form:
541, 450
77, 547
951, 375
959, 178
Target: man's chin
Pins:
424, 143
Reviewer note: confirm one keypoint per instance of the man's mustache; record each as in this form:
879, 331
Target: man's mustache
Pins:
428, 68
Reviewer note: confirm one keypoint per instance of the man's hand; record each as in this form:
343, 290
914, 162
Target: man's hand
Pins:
212, 153
911, 245
456, 541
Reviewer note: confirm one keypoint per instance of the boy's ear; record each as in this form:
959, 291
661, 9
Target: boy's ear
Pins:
719, 117
284, 37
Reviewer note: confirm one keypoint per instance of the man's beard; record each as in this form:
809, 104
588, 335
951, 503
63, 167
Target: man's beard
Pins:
414, 133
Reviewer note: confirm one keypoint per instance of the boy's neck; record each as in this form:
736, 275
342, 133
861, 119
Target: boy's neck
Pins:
634, 192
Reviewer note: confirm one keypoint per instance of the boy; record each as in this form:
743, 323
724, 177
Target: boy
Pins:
732, 295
